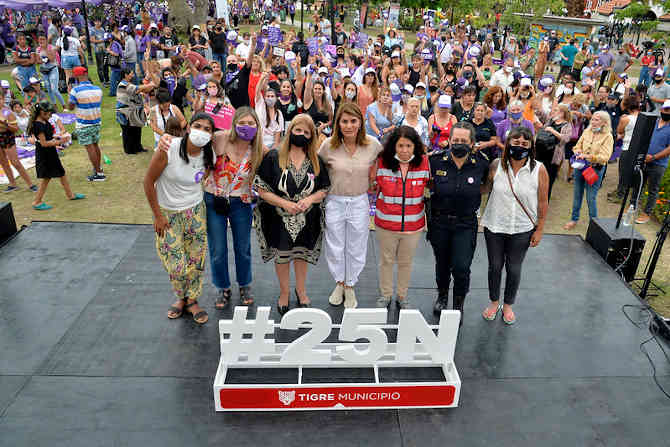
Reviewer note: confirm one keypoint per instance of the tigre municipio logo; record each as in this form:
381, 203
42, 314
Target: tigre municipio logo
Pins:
286, 397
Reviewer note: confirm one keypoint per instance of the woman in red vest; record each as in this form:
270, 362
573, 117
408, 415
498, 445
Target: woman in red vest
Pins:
402, 174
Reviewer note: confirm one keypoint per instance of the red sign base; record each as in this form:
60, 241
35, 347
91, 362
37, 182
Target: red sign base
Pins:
337, 397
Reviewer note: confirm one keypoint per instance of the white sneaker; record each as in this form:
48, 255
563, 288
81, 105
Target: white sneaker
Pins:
350, 298
337, 296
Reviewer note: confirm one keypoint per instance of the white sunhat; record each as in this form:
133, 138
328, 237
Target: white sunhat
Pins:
525, 82
420, 85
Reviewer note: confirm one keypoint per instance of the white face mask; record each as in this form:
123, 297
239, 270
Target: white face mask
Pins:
199, 138
270, 101
350, 94
403, 161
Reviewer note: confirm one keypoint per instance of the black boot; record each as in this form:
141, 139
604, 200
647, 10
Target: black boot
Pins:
459, 301
442, 302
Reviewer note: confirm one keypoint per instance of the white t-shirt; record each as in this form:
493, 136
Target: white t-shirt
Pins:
242, 50
179, 186
73, 49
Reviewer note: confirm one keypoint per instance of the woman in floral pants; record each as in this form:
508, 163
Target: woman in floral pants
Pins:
173, 188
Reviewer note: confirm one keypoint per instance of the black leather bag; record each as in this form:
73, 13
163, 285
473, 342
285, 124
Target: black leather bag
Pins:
221, 205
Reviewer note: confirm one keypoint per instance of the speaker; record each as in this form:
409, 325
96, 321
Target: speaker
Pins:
639, 145
7, 222
613, 244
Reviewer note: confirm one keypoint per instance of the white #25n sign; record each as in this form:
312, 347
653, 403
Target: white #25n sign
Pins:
244, 345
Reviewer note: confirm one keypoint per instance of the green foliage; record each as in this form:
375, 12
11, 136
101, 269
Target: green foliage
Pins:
538, 8
663, 202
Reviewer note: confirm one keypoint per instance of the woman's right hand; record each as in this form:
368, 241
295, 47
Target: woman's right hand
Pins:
164, 142
291, 207
161, 224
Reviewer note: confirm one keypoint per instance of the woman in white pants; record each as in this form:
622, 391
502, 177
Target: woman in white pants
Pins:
348, 156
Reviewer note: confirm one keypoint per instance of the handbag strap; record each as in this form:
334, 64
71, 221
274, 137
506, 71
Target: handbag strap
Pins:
509, 180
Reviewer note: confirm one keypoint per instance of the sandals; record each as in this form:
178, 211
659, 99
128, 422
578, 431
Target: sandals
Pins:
570, 225
511, 320
201, 317
78, 196
403, 303
246, 298
175, 312
491, 317
223, 298
42, 207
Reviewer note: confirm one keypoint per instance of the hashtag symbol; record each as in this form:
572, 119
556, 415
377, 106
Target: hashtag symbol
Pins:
236, 344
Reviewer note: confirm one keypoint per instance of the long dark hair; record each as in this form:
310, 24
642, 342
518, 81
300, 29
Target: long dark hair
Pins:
524, 133
42, 106
388, 154
207, 151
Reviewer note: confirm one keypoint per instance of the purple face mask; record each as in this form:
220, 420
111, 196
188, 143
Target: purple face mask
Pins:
397, 97
247, 133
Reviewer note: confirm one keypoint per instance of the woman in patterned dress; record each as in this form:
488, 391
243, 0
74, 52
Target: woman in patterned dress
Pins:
292, 182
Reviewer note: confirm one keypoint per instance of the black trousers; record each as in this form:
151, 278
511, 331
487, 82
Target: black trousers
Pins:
103, 73
132, 139
454, 242
552, 170
509, 251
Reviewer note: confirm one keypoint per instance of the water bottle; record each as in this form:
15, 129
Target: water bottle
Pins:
106, 160
629, 217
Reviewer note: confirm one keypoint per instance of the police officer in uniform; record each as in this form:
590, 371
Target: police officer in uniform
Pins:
458, 175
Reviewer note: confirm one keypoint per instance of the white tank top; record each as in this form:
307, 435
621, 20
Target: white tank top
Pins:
179, 186
503, 213
628, 132
161, 119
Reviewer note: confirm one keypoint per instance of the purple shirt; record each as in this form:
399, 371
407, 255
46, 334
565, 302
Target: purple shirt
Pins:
116, 48
141, 43
504, 126
605, 59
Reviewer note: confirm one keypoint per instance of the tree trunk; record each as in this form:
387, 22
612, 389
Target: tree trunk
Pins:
181, 16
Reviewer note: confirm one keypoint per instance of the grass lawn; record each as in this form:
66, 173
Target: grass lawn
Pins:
121, 198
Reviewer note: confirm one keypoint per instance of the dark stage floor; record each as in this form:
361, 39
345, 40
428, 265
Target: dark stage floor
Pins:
89, 358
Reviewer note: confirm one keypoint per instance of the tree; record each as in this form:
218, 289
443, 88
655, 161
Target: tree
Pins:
641, 16
183, 16
538, 8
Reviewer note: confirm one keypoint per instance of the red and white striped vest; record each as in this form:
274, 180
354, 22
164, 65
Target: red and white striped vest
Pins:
400, 203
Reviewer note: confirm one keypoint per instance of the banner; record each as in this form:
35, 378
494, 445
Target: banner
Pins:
394, 14
274, 35
222, 9
361, 40
313, 45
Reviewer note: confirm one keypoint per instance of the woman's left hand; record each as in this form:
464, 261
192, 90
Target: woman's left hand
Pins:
535, 238
304, 204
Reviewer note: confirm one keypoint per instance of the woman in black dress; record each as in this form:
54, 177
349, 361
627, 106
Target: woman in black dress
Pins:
47, 162
292, 182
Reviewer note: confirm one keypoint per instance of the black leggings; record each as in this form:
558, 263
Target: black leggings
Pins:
552, 171
506, 250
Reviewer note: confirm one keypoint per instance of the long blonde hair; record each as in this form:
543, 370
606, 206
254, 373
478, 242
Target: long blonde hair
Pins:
256, 143
352, 109
312, 148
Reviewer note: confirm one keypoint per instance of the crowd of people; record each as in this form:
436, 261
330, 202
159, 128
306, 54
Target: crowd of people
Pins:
290, 135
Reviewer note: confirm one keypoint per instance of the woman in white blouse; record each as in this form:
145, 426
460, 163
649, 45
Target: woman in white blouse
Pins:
514, 217
269, 115
414, 120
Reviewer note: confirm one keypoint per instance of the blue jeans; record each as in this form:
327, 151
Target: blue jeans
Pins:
25, 73
217, 240
591, 193
140, 59
644, 75
221, 59
52, 87
114, 79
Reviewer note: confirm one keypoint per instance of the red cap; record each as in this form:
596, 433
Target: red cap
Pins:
79, 71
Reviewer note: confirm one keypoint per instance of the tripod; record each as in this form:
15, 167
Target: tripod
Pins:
655, 253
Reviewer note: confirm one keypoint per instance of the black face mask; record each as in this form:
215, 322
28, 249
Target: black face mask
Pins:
299, 140
658, 81
467, 74
665, 117
460, 150
518, 152
432, 89
232, 67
